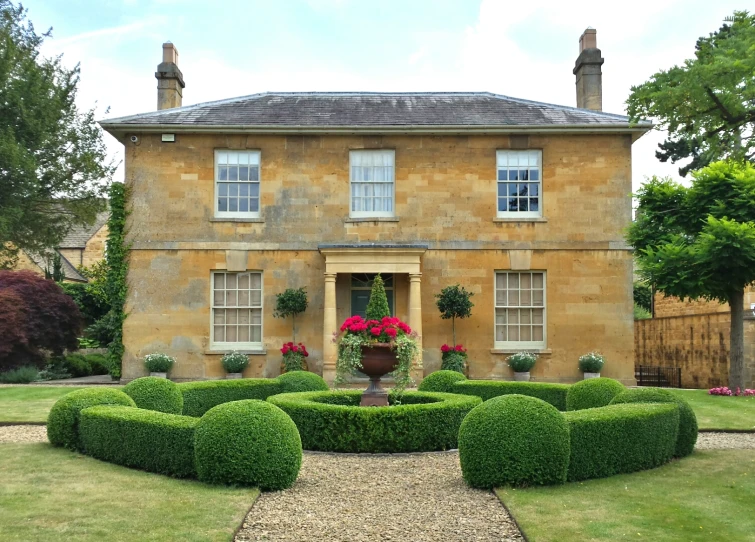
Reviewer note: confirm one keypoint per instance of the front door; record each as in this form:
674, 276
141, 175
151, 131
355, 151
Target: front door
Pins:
361, 287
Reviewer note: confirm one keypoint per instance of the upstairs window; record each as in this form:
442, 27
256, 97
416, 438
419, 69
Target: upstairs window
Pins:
519, 184
372, 183
237, 184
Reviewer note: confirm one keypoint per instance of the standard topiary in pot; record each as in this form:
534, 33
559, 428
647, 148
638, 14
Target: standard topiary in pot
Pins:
153, 393
591, 364
521, 363
159, 364
234, 364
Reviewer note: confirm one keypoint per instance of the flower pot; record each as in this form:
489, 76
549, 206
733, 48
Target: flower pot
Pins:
231, 376
522, 377
159, 375
591, 375
377, 361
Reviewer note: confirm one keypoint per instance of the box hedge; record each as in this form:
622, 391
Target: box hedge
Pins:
296, 381
592, 393
514, 440
144, 439
441, 381
248, 443
63, 420
685, 442
199, 397
554, 394
334, 421
153, 393
620, 438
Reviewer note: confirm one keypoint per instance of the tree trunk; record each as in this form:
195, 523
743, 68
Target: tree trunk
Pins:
293, 326
453, 329
736, 351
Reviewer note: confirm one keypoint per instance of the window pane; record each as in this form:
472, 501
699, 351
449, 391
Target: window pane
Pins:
513, 316
525, 316
233, 173
537, 316
513, 281
501, 299
218, 280
244, 189
222, 204
243, 281
256, 297
502, 175
534, 205
513, 332
537, 298
525, 298
222, 173
255, 281
534, 175
256, 334
500, 333
500, 281
500, 316
537, 333
243, 173
230, 298
233, 204
525, 280
254, 189
243, 205
243, 334
254, 205
230, 334
244, 318
256, 317
525, 333
537, 280
218, 316
232, 316
243, 298
219, 332
254, 174
218, 298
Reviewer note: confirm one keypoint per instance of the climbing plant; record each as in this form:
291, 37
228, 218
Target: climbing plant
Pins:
116, 286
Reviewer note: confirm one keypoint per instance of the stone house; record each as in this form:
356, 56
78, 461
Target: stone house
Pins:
523, 203
82, 246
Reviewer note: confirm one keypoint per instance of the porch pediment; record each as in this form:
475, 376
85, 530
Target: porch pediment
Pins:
372, 258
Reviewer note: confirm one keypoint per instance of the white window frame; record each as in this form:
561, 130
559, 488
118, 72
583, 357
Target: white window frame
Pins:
224, 345
372, 214
520, 345
238, 214
502, 163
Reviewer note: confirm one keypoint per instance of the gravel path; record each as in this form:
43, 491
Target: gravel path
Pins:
359, 498
725, 441
25, 434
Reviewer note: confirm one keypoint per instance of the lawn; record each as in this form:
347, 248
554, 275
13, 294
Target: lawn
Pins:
29, 403
707, 496
53, 494
720, 412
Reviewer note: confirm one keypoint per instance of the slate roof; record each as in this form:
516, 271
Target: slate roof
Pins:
79, 235
69, 270
373, 110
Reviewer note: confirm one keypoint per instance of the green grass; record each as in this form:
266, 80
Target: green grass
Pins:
707, 496
30, 403
720, 412
53, 494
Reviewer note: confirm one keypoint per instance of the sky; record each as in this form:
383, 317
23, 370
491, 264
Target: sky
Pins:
235, 48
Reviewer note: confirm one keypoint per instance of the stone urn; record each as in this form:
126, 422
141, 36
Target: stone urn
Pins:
232, 376
591, 375
377, 361
522, 377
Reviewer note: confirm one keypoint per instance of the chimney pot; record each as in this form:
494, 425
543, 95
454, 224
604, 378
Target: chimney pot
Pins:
589, 73
170, 80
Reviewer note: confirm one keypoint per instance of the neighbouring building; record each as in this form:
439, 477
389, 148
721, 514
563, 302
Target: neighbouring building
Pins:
523, 203
83, 246
695, 336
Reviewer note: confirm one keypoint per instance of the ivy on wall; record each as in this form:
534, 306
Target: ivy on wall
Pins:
117, 270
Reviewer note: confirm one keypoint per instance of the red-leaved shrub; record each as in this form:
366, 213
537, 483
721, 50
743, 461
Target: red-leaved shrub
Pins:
35, 315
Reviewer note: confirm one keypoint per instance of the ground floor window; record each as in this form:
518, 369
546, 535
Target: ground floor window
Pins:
520, 309
361, 287
236, 310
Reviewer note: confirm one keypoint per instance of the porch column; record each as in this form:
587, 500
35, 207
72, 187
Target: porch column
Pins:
415, 317
329, 349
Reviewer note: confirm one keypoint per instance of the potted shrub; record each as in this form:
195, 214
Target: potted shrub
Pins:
378, 345
521, 363
454, 358
159, 364
453, 302
591, 364
290, 303
234, 364
294, 357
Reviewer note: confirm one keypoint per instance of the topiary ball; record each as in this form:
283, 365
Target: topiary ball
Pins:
592, 393
296, 381
63, 420
154, 393
685, 442
442, 381
251, 443
516, 440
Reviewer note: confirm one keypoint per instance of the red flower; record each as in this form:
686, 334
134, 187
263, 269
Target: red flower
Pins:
294, 348
376, 331
391, 332
284, 350
445, 348
403, 327
459, 348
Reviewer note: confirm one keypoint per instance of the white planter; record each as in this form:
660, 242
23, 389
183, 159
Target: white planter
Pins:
522, 377
231, 376
159, 375
591, 375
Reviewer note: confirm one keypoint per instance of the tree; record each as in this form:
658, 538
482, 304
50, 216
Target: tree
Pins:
290, 303
90, 297
708, 104
377, 306
643, 295
699, 242
453, 302
53, 158
57, 273
48, 319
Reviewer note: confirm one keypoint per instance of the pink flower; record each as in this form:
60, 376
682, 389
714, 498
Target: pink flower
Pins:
375, 331
391, 332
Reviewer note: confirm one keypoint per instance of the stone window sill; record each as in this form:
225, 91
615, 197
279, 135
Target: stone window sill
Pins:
525, 219
371, 219
545, 351
229, 219
248, 352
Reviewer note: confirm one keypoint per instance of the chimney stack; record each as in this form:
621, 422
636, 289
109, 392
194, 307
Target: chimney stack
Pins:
588, 72
170, 80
